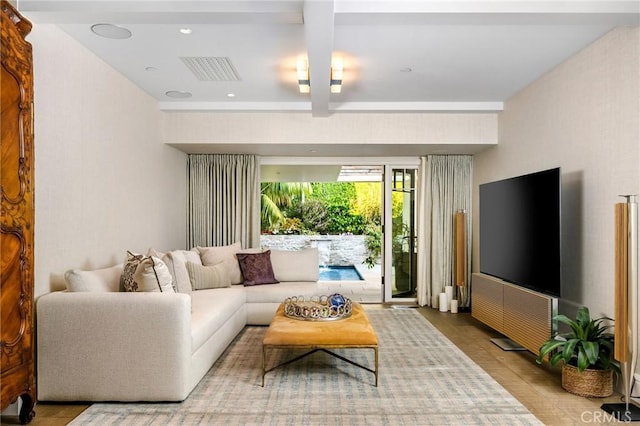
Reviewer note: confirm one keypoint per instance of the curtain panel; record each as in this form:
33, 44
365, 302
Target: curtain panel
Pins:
223, 200
444, 188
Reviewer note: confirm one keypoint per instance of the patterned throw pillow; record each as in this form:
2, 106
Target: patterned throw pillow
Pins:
256, 268
131, 263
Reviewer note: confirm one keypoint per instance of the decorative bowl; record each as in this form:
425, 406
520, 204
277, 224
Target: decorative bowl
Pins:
318, 308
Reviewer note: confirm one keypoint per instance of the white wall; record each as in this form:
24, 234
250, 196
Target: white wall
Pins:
105, 183
584, 117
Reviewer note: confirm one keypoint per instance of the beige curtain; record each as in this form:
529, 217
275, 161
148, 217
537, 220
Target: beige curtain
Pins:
223, 200
444, 187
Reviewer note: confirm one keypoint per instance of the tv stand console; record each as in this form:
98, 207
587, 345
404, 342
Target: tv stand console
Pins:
522, 315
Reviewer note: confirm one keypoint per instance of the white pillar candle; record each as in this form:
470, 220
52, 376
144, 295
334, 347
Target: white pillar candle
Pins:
449, 292
454, 306
443, 302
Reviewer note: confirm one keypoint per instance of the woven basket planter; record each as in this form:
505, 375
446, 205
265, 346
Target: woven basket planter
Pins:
589, 383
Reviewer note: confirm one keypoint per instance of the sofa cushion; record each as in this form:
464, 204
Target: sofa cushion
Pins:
210, 309
205, 277
98, 280
277, 293
176, 262
295, 265
256, 268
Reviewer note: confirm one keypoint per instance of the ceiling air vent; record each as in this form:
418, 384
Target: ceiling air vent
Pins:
211, 68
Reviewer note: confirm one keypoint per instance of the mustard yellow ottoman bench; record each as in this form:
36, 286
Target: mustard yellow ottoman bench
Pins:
353, 332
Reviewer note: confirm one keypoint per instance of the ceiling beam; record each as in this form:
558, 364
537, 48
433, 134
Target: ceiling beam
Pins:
318, 30
463, 107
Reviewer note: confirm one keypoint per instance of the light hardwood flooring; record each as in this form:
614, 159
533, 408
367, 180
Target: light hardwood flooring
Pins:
536, 387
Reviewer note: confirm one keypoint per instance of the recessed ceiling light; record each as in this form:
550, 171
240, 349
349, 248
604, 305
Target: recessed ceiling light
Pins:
110, 31
405, 69
231, 95
178, 94
185, 30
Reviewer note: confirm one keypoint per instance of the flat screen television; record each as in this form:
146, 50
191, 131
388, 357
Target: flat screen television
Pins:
520, 230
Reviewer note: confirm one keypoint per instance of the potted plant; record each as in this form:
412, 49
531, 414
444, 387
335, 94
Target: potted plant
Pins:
587, 352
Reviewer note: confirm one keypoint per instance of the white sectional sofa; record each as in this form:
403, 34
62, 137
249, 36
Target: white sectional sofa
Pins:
100, 344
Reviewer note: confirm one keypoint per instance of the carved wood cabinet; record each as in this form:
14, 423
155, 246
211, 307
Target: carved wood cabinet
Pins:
17, 375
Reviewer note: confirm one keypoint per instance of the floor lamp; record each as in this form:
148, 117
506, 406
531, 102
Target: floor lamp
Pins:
460, 279
626, 305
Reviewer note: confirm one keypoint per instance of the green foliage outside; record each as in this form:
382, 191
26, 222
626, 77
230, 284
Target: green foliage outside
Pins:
334, 193
324, 208
328, 208
277, 195
374, 245
367, 201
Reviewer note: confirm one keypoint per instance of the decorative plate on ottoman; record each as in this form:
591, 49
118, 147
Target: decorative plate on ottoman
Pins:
318, 308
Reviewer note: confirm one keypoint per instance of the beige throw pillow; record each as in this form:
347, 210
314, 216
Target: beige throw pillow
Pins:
296, 265
146, 274
226, 254
97, 280
204, 277
176, 262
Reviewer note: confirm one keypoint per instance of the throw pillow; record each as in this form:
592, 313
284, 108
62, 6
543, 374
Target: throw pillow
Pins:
131, 263
204, 277
256, 268
176, 262
295, 265
146, 274
156, 253
213, 255
97, 280
153, 275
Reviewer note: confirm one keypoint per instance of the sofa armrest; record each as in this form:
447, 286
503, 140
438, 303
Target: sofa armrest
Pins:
113, 346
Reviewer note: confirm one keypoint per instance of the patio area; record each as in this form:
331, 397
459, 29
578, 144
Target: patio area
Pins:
337, 250
368, 290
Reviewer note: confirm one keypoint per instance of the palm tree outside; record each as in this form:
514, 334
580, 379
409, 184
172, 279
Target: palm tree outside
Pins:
278, 195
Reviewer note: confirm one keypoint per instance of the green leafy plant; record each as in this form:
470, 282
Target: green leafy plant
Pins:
314, 216
587, 345
290, 226
373, 241
275, 196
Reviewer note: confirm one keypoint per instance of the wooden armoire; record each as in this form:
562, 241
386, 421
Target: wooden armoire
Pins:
17, 375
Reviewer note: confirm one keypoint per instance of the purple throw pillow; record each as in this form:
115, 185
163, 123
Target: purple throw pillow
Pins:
256, 268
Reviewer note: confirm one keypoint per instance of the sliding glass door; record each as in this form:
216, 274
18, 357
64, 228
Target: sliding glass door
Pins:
359, 213
400, 234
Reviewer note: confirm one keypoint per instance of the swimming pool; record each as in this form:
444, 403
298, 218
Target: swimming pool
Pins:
339, 273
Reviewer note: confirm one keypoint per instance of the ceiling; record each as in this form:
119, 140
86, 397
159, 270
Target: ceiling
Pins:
399, 56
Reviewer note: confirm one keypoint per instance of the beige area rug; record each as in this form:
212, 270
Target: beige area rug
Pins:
424, 379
